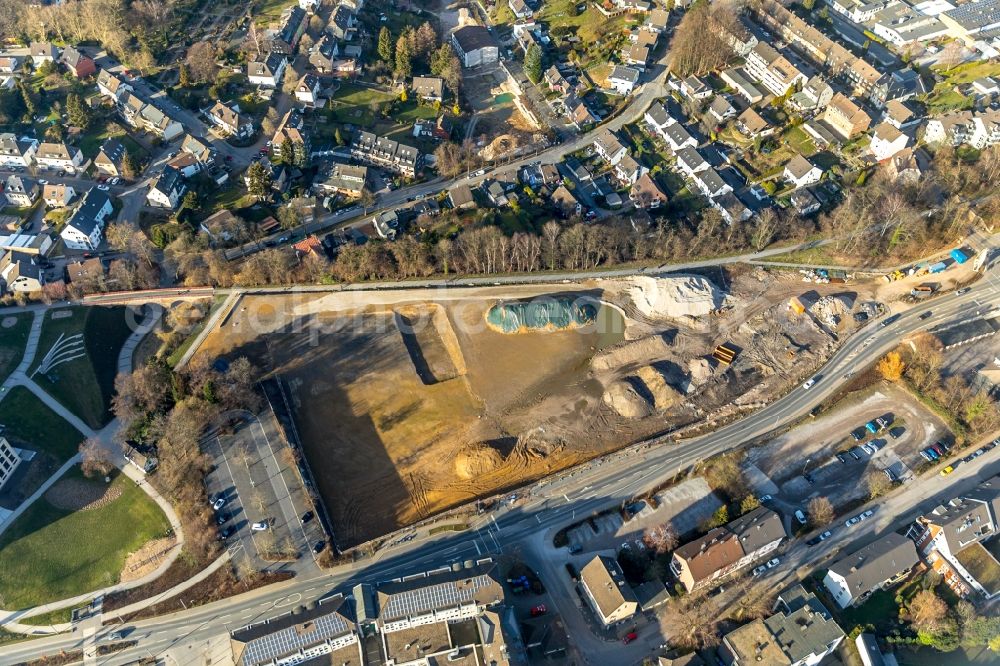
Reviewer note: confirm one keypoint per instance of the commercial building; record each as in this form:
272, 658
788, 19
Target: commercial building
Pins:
607, 592
475, 46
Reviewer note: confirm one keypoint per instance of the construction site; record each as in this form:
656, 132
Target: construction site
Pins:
411, 402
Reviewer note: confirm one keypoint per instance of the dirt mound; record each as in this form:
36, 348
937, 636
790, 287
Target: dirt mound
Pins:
664, 395
643, 350
501, 145
81, 495
623, 396
476, 460
700, 370
680, 296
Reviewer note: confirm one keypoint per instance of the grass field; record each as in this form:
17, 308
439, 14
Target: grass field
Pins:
49, 553
85, 385
12, 341
28, 419
351, 104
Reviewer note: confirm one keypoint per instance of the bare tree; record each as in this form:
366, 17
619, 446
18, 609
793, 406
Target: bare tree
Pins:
820, 511
877, 483
691, 622
661, 538
95, 460
201, 62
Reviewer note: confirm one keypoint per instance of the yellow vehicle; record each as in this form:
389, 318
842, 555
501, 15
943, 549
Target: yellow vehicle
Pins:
947, 470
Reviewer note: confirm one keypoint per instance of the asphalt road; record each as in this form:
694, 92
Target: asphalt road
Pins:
549, 504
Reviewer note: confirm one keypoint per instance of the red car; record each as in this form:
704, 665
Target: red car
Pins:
629, 637
540, 609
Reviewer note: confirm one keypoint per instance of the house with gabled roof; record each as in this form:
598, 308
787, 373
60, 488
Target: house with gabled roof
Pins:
230, 120
428, 88
268, 72
607, 592
43, 52
800, 172
646, 194
79, 65
167, 189
110, 157
59, 156
21, 190
880, 564
308, 89
19, 152
85, 227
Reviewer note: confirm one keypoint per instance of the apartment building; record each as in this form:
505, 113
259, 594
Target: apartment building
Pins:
58, 156
950, 539
772, 69
607, 592
17, 152
727, 549
387, 154
845, 117
969, 127
344, 179
85, 227
879, 565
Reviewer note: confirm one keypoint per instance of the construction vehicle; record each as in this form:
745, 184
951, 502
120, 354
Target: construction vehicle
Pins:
893, 276
959, 255
796, 305
937, 268
922, 291
981, 259
724, 354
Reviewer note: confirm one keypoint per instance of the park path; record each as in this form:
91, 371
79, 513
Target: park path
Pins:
106, 436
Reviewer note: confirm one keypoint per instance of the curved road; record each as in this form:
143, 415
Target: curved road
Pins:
553, 503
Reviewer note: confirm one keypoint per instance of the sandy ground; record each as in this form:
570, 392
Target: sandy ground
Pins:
146, 559
408, 404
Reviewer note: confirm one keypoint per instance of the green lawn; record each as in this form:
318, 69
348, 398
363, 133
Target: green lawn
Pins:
28, 419
800, 142
945, 98
49, 553
352, 103
85, 385
12, 341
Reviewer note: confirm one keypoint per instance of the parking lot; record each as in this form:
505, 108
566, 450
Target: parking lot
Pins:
264, 505
804, 463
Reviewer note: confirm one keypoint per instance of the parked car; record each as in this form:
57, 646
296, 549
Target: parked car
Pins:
773, 562
766, 498
896, 433
866, 515
867, 449
759, 570
307, 516
889, 475
540, 609
851, 522
841, 457
319, 546
629, 637
259, 526
226, 532
947, 470
799, 516
825, 535
218, 503
854, 454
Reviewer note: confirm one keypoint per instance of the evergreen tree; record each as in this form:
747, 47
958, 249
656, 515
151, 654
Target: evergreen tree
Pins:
28, 98
301, 158
385, 44
404, 60
79, 113
130, 166
184, 76
258, 180
287, 153
533, 63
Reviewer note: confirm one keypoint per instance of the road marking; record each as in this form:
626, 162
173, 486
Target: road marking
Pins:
290, 600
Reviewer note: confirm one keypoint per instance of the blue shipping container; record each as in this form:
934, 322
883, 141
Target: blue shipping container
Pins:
938, 267
959, 256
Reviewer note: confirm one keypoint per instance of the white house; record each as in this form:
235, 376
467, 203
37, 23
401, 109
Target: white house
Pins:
878, 565
658, 119
85, 227
887, 141
475, 46
58, 156
801, 172
166, 191
307, 90
58, 195
609, 147
711, 184
309, 5
623, 79
267, 73
17, 152
677, 137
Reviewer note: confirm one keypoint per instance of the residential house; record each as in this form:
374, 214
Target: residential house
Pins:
324, 53
801, 172
720, 109
677, 137
346, 179
85, 227
310, 246
950, 539
805, 202
738, 36
814, 96
21, 191
17, 152
628, 170
737, 79
899, 84
772, 69
386, 153
21, 273
152, 119
607, 592
325, 631
859, 11
475, 46
79, 65
623, 80
291, 27
579, 114
187, 164
439, 128
58, 156
731, 208
658, 120
986, 86
43, 52
752, 124
342, 22
732, 547
694, 88
497, 194
887, 141
869, 651
310, 5
520, 8
637, 56
88, 273
111, 85
199, 149
876, 566
969, 127
109, 159
58, 195
899, 114
167, 189
428, 88
907, 166
799, 632
230, 120
864, 77
609, 147
645, 193
565, 201
267, 72
657, 21
308, 89
555, 80
291, 129
845, 117
689, 161
461, 197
